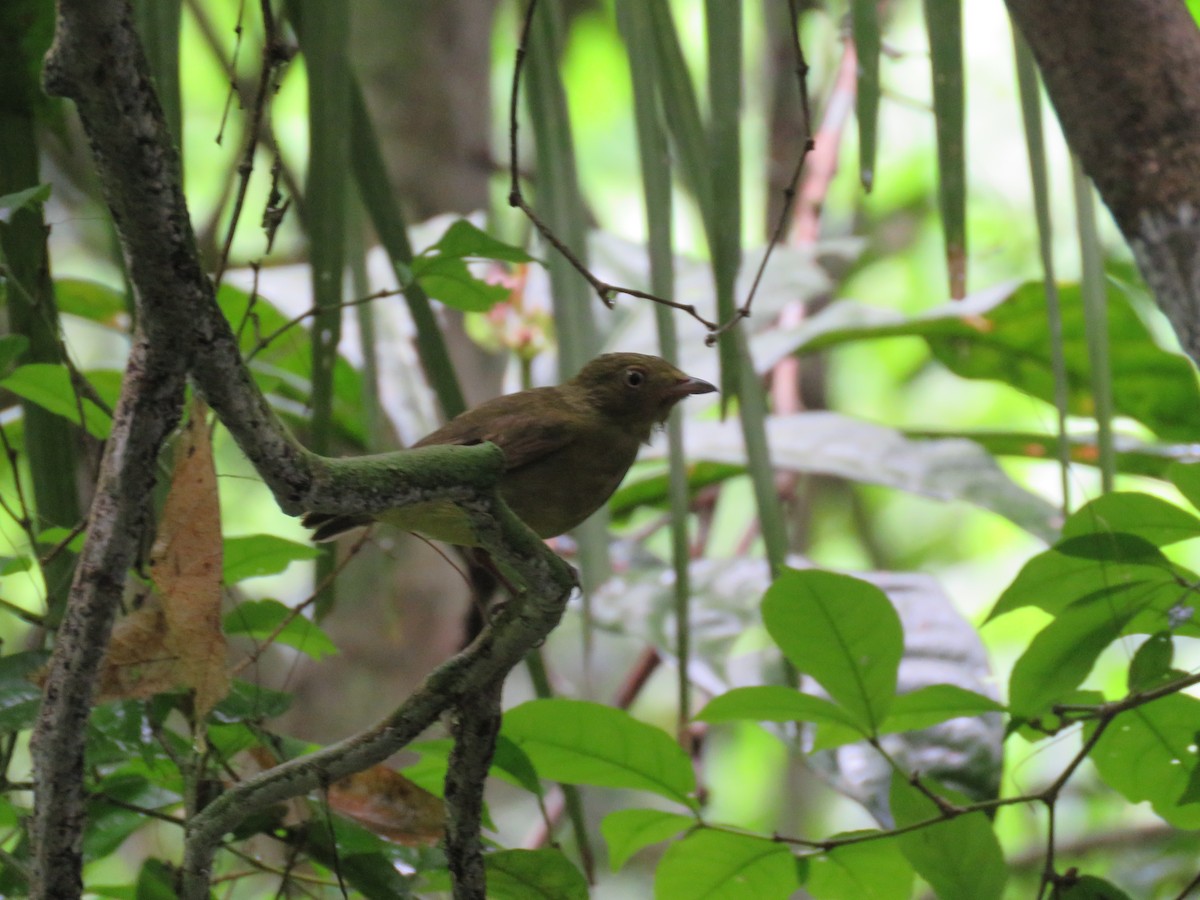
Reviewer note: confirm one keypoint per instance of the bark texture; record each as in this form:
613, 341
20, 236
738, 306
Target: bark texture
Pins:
1125, 81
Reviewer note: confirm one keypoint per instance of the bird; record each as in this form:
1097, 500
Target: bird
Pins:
566, 448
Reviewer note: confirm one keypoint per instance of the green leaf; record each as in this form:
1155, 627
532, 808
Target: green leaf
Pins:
261, 619
12, 346
91, 300
943, 20
18, 200
20, 698
1151, 664
464, 240
1186, 477
773, 703
627, 831
935, 703
254, 555
281, 362
1142, 515
1001, 335
49, 386
248, 702
449, 280
1062, 654
578, 742
872, 870
960, 858
1083, 566
865, 20
1149, 754
511, 761
156, 881
109, 824
11, 566
525, 874
1089, 887
844, 633
720, 865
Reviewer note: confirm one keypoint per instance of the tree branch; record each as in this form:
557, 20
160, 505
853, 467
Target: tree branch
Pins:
97, 61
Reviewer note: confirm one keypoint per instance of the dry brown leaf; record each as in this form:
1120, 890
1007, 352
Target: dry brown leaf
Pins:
185, 564
138, 663
385, 802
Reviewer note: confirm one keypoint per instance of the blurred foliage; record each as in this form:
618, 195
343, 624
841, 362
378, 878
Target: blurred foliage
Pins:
917, 449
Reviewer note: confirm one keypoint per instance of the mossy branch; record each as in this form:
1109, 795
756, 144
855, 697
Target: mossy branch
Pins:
98, 62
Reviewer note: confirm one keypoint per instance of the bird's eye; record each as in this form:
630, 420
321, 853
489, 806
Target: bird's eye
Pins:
635, 377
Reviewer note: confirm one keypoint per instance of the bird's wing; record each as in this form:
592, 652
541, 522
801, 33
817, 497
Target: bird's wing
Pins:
523, 438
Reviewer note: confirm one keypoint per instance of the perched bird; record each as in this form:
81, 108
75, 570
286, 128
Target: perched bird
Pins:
566, 448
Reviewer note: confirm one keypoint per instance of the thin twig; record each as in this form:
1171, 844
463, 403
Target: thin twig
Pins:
275, 54
265, 340
603, 289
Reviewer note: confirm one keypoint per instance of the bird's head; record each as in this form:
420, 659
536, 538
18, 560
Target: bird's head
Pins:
636, 390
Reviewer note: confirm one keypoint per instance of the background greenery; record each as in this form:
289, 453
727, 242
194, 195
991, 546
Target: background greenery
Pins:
916, 447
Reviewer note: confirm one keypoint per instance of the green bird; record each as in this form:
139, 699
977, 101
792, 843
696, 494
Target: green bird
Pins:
566, 448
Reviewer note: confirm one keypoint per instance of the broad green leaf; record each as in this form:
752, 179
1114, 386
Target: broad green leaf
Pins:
1149, 754
156, 881
1000, 334
1082, 566
627, 831
264, 619
11, 348
720, 865
117, 733
248, 702
1062, 654
773, 703
872, 870
578, 742
960, 858
935, 703
109, 824
1151, 385
1151, 664
511, 761
1142, 515
91, 300
464, 240
449, 280
525, 874
1186, 477
20, 698
362, 860
254, 555
49, 386
843, 632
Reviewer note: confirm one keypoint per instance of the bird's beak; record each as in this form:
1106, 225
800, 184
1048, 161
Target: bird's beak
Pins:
692, 386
